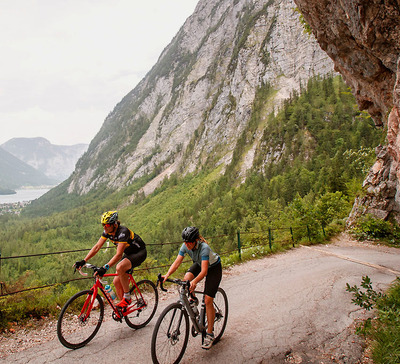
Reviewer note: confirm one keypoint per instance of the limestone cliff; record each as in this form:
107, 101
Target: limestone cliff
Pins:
362, 38
194, 103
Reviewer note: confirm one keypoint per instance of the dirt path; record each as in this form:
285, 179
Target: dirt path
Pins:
286, 308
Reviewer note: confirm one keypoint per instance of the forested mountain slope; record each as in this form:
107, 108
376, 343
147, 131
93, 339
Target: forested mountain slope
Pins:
192, 105
362, 38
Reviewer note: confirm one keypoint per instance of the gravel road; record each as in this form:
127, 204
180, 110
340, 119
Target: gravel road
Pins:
286, 308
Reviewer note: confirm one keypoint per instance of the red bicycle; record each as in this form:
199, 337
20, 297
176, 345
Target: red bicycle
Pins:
81, 317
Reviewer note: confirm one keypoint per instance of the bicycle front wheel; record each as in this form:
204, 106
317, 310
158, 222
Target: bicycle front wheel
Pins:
170, 335
78, 323
146, 300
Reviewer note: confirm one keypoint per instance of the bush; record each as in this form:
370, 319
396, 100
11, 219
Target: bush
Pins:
370, 228
384, 331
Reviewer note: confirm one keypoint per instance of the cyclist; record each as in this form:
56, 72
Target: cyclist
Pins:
131, 252
206, 263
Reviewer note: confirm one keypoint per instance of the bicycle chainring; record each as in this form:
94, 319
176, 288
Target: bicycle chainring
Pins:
116, 318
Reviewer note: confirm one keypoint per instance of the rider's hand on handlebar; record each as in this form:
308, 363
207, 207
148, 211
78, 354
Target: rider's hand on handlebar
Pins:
192, 286
80, 264
100, 271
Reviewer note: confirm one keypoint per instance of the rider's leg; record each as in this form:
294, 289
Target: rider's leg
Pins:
189, 276
210, 311
121, 281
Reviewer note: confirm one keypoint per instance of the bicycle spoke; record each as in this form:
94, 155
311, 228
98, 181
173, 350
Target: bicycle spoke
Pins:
170, 335
221, 313
80, 320
146, 302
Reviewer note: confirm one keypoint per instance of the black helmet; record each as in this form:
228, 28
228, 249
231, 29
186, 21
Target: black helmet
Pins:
190, 234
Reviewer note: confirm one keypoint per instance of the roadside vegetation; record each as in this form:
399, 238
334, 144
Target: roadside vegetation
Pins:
381, 332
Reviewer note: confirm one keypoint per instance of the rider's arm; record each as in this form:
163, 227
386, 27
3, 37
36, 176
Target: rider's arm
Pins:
95, 248
201, 275
174, 266
118, 255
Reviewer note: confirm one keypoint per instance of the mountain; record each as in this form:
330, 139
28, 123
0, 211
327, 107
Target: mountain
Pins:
14, 173
362, 39
56, 161
190, 109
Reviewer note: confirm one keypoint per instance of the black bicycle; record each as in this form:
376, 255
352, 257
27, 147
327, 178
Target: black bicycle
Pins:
171, 332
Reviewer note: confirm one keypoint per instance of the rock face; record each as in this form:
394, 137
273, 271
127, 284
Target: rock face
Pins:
362, 38
191, 107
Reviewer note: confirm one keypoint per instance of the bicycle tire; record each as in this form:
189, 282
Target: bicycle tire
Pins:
148, 291
167, 345
73, 330
220, 303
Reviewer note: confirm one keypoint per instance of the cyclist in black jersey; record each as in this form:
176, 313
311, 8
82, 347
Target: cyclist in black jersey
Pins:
131, 252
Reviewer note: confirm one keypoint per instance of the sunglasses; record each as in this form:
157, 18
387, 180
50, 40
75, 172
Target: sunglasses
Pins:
189, 242
108, 225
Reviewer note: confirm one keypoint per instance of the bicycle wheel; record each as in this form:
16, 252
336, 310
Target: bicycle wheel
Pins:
77, 325
221, 314
147, 301
170, 335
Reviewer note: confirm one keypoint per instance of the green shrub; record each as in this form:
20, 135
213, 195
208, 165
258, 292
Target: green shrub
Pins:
370, 228
384, 331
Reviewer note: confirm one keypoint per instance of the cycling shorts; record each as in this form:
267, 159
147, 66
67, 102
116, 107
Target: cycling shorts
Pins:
137, 258
213, 277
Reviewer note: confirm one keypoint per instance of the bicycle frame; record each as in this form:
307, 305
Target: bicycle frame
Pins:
198, 324
98, 285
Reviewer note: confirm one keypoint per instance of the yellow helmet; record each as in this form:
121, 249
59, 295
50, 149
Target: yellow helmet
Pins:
109, 217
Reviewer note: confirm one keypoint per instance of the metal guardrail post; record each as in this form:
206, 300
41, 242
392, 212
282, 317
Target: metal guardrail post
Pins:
291, 233
270, 238
239, 245
323, 230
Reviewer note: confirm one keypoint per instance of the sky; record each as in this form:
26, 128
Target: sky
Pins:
65, 64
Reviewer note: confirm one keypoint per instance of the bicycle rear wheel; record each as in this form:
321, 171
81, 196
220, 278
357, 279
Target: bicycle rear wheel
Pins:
221, 314
146, 299
77, 324
170, 335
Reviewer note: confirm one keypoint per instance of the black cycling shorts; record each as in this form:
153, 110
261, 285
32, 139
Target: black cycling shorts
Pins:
213, 277
137, 258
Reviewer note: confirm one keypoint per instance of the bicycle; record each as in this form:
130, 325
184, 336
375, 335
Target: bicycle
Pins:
171, 332
81, 317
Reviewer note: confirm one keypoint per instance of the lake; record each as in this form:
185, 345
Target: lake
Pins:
23, 195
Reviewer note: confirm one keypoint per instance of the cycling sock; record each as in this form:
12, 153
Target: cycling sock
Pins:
127, 296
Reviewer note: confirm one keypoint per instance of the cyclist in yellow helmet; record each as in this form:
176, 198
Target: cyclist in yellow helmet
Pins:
131, 252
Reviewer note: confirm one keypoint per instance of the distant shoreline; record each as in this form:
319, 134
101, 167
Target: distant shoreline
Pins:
9, 191
25, 194
5, 192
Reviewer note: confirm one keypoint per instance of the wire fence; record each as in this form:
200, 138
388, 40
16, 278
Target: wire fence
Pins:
244, 240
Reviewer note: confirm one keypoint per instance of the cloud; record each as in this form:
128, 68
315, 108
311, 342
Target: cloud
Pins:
66, 64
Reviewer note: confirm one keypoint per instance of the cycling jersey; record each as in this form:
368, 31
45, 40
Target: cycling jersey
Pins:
201, 252
125, 236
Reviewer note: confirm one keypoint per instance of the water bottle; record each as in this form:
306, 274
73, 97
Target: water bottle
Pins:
193, 305
110, 291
